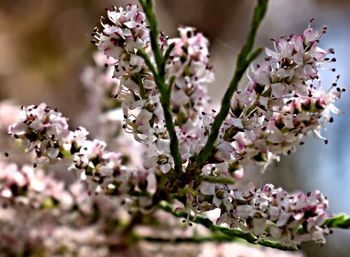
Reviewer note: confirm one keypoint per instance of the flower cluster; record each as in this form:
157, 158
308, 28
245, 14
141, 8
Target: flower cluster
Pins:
283, 101
30, 187
42, 130
188, 65
272, 213
41, 214
46, 132
123, 32
137, 90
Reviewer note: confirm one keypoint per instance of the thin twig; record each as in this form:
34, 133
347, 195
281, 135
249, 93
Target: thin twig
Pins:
192, 240
245, 57
231, 232
338, 221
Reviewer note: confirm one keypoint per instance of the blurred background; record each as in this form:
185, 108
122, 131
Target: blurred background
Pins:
45, 44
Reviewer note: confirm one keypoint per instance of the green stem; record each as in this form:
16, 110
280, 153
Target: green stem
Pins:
148, 62
339, 221
192, 240
245, 57
159, 78
231, 232
147, 6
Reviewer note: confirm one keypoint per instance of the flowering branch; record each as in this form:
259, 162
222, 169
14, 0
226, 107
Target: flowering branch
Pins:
231, 232
161, 83
46, 132
245, 57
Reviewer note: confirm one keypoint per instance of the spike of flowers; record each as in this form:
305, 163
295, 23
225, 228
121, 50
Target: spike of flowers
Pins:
45, 131
188, 64
270, 212
283, 102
